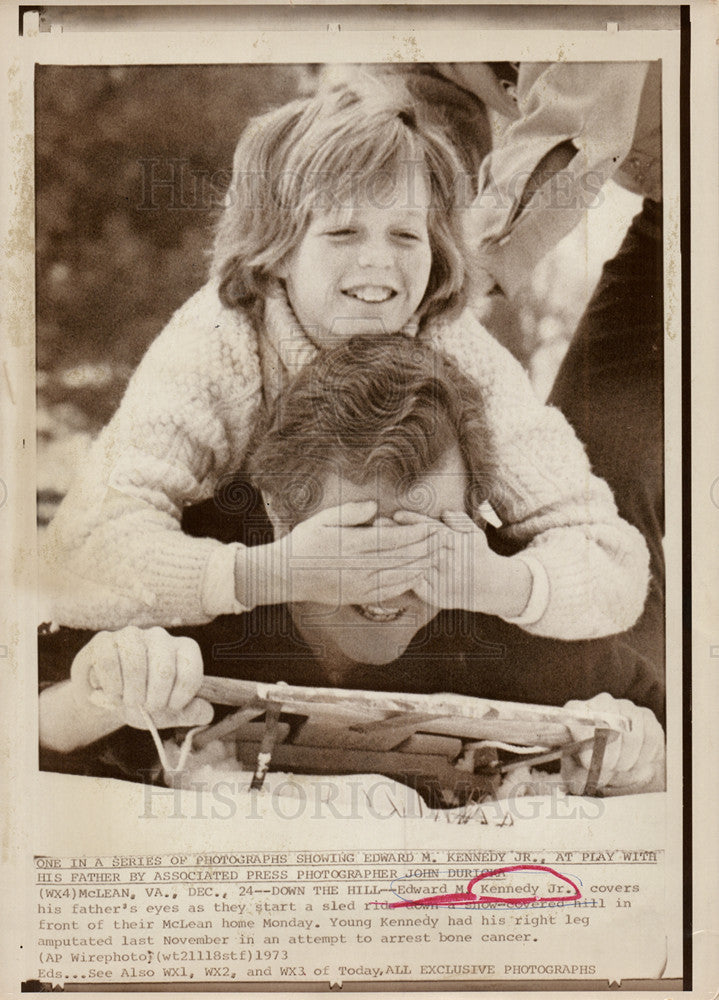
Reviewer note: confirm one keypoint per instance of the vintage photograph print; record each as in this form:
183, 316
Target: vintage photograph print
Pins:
360, 517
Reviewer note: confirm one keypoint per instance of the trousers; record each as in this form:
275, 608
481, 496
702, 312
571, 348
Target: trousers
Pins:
610, 387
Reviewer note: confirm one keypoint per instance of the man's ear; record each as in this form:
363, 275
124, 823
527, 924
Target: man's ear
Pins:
279, 270
279, 526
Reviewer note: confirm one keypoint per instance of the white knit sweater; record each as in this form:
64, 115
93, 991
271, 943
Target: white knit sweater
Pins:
118, 555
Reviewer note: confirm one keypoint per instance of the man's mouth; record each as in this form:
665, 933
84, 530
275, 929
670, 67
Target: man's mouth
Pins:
378, 613
372, 294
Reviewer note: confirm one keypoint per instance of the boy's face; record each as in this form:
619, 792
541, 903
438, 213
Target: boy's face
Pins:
363, 267
367, 633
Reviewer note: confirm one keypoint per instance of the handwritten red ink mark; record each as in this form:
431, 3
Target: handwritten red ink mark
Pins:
469, 897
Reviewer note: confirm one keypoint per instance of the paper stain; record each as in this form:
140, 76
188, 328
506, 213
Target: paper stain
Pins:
11, 394
409, 51
20, 245
19, 303
672, 322
11, 642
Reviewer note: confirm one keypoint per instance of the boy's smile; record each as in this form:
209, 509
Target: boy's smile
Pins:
370, 293
363, 268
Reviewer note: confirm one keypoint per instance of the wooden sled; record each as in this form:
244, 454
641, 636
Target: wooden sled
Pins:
450, 748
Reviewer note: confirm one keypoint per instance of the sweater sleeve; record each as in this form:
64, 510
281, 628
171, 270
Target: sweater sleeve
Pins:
548, 500
115, 551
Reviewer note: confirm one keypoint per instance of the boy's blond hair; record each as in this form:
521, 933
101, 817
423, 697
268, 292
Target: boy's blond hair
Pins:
320, 152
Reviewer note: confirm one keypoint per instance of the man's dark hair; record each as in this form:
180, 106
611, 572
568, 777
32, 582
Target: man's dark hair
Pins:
382, 406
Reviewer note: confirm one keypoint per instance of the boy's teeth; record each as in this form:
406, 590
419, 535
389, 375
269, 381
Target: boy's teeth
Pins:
370, 293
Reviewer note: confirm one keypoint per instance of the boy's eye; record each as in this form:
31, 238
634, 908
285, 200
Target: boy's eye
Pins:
406, 235
345, 231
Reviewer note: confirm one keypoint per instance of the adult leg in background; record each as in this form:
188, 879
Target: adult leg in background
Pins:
610, 387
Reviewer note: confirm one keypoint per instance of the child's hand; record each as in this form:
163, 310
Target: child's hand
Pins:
138, 672
465, 574
337, 558
634, 762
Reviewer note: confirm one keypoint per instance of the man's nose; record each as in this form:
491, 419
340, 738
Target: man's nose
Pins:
375, 252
